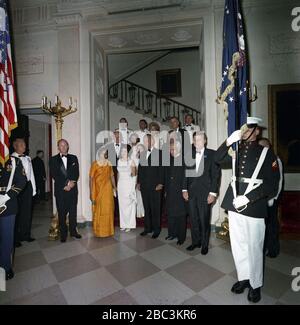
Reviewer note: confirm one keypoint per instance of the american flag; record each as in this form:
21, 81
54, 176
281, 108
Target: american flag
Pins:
234, 88
8, 115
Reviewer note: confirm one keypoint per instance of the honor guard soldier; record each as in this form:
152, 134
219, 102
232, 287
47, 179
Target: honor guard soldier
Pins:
12, 182
254, 182
24, 217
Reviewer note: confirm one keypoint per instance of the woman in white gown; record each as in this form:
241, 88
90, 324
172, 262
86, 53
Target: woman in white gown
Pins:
136, 150
126, 191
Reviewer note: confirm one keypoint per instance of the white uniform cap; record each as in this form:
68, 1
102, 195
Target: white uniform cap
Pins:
253, 120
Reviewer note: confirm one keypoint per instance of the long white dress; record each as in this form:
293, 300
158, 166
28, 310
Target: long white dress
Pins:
140, 211
126, 194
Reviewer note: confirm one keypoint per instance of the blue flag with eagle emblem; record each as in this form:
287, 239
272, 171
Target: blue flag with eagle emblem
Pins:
234, 88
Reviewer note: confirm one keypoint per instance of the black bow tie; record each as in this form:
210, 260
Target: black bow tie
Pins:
149, 150
117, 145
188, 125
63, 156
21, 156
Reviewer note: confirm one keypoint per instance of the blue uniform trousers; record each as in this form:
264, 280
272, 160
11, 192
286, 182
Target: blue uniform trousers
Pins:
7, 225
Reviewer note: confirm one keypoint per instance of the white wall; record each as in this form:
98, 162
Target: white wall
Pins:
120, 65
36, 57
188, 62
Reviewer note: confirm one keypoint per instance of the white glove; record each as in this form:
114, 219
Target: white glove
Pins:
240, 201
271, 203
235, 137
4, 199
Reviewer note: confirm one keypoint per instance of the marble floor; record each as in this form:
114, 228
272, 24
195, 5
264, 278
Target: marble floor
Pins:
130, 269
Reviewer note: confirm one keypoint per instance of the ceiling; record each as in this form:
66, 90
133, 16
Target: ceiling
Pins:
159, 37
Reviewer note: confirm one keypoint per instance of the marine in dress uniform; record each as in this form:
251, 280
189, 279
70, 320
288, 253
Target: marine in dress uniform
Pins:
12, 182
255, 181
272, 243
24, 217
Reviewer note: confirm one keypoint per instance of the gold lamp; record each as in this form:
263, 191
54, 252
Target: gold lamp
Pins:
59, 113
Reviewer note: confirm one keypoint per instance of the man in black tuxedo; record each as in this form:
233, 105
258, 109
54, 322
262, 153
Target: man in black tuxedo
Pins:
39, 174
200, 189
64, 169
150, 180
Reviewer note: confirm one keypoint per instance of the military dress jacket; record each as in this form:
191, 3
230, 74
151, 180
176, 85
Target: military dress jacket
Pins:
248, 157
18, 183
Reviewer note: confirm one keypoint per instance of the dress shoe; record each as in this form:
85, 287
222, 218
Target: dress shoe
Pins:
240, 286
204, 250
155, 235
170, 238
76, 236
30, 240
18, 244
144, 233
9, 274
254, 295
179, 242
192, 247
63, 240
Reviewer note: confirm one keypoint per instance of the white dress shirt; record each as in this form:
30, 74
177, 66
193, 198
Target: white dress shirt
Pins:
191, 128
65, 161
117, 148
199, 156
141, 134
149, 152
27, 165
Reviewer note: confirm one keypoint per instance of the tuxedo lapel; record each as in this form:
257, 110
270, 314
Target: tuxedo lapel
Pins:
61, 165
69, 162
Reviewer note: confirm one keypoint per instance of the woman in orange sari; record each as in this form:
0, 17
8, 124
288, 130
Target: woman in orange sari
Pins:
102, 189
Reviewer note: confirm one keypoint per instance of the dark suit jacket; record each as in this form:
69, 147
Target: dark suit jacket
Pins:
201, 186
38, 168
62, 176
150, 171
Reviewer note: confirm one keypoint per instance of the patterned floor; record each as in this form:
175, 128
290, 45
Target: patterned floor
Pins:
130, 269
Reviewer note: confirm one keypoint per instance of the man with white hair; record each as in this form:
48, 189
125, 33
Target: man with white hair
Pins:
176, 207
253, 184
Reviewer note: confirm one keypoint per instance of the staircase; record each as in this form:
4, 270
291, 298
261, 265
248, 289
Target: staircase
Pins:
149, 103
